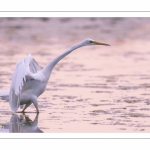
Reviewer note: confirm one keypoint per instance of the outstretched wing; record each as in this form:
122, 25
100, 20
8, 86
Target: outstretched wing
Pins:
25, 68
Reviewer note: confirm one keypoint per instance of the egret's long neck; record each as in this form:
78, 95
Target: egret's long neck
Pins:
49, 67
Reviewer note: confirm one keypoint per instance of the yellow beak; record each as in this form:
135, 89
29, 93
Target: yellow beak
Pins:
99, 43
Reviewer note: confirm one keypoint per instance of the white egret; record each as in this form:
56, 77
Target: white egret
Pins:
29, 80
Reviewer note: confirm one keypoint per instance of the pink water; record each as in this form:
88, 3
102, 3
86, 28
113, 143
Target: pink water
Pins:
95, 88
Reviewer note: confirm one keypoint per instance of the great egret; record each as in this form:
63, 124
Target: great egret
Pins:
29, 80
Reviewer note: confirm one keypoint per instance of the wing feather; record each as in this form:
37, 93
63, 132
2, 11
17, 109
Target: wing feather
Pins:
25, 68
34, 67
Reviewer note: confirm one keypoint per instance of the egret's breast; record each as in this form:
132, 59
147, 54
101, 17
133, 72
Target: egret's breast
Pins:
33, 87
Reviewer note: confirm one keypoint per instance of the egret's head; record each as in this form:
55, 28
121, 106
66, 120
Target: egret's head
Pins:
93, 42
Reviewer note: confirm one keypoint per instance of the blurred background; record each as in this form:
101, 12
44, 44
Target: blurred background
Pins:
57, 30
95, 88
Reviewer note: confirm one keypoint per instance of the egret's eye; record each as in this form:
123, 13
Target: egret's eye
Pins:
91, 41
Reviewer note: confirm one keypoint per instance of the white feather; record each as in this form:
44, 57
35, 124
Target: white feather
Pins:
25, 68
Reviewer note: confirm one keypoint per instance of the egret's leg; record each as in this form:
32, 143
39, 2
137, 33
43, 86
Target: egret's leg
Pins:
27, 105
35, 102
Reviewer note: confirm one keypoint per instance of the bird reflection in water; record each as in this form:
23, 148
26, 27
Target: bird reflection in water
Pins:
23, 124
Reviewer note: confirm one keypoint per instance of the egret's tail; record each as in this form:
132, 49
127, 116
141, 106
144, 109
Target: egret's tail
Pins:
4, 95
